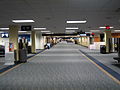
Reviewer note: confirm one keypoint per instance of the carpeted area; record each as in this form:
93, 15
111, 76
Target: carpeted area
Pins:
106, 59
62, 67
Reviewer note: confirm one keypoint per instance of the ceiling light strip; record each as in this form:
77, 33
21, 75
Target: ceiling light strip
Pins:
77, 21
39, 28
45, 31
4, 28
22, 21
72, 28
105, 27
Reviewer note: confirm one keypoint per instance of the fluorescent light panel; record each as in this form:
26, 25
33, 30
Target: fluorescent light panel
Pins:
45, 31
77, 21
39, 28
4, 28
22, 21
105, 27
70, 31
72, 28
117, 30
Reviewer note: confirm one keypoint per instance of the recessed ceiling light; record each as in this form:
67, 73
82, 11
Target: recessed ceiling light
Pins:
45, 31
22, 21
102, 27
105, 27
4, 28
72, 28
39, 28
77, 21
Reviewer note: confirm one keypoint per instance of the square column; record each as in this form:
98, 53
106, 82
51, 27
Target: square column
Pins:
40, 42
13, 35
107, 35
45, 40
13, 40
33, 46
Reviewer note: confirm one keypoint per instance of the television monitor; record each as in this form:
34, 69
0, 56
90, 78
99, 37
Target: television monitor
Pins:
4, 35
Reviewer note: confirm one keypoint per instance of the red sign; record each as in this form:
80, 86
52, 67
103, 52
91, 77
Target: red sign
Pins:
107, 27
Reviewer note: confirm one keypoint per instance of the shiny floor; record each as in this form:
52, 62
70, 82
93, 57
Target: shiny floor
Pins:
63, 67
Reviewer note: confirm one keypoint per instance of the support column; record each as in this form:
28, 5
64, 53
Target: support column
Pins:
88, 41
37, 43
80, 40
45, 40
41, 41
107, 35
13, 39
113, 45
33, 46
54, 40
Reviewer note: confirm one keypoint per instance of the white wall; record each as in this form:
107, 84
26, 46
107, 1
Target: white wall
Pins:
96, 45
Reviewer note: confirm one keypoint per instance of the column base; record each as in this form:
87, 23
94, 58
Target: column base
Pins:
9, 58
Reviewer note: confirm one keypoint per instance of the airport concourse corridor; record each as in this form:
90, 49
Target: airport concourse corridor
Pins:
63, 67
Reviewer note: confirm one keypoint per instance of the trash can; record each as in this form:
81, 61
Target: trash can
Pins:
15, 55
23, 55
103, 49
29, 49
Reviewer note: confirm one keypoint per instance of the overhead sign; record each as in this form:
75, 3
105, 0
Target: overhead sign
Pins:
26, 28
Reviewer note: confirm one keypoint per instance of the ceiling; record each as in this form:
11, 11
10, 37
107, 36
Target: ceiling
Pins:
53, 14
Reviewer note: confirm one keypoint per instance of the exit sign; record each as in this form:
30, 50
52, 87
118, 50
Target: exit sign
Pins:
107, 28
